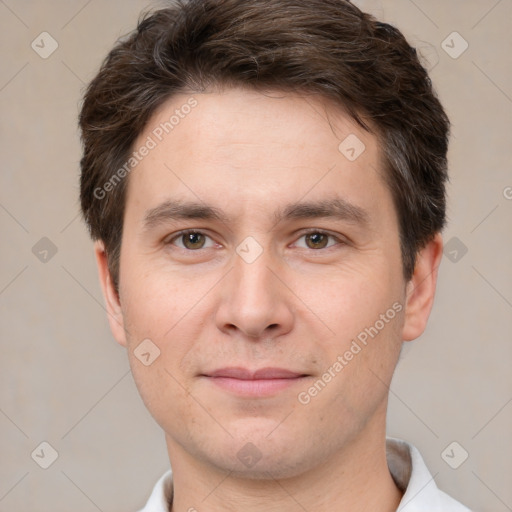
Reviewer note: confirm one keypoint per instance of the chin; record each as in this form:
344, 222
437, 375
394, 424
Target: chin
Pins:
265, 464
260, 451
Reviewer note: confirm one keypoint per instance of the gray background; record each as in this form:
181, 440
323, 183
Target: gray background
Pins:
66, 382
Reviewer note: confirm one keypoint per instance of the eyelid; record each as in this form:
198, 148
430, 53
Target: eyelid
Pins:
309, 231
298, 235
168, 240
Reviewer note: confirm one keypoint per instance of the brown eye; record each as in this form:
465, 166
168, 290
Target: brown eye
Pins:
193, 240
317, 240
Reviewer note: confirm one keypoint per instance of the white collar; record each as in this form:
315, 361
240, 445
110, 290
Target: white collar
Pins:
407, 468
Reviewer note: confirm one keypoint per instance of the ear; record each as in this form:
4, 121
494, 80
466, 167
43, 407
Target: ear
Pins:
112, 302
421, 289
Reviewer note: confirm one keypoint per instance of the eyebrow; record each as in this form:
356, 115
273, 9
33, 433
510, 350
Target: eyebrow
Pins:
338, 208
179, 210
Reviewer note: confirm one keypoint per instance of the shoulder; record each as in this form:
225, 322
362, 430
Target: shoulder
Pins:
412, 476
161, 495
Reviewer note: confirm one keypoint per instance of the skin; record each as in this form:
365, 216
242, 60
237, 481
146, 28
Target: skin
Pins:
298, 306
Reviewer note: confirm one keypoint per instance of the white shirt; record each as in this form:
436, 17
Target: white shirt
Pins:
405, 463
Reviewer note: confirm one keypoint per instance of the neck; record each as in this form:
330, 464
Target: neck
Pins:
355, 479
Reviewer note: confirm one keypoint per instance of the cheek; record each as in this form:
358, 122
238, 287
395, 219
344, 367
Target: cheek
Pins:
359, 361
163, 393
171, 308
364, 314
158, 315
159, 321
349, 301
155, 300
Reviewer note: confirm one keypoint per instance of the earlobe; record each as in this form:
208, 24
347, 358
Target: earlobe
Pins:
110, 295
421, 289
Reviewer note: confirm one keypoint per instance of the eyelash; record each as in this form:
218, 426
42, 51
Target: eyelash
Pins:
180, 234
305, 233
338, 240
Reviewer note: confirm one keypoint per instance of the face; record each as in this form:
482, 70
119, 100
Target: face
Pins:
261, 293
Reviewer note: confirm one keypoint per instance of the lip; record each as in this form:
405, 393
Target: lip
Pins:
254, 383
240, 373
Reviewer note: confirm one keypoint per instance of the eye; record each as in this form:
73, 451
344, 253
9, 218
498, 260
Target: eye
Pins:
318, 240
191, 240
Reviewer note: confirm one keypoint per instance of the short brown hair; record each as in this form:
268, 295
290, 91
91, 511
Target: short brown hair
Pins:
325, 47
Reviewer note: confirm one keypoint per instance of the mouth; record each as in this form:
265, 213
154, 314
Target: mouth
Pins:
254, 383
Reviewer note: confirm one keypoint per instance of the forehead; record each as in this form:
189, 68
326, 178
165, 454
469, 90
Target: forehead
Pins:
262, 147
223, 118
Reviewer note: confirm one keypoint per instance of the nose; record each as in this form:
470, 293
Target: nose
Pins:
254, 301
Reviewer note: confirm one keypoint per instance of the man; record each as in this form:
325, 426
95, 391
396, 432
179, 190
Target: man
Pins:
265, 184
